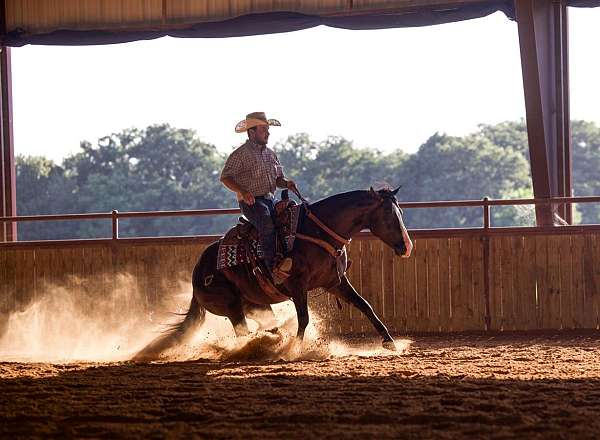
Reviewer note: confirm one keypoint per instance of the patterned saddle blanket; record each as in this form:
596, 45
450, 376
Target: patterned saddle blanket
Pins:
232, 249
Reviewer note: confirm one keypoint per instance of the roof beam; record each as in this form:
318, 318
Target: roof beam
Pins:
543, 29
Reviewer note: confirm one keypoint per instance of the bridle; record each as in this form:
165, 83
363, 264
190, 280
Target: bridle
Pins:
334, 251
331, 250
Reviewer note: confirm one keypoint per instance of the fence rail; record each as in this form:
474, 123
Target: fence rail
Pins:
485, 278
115, 215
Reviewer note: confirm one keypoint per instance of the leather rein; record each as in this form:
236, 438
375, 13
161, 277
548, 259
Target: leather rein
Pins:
332, 250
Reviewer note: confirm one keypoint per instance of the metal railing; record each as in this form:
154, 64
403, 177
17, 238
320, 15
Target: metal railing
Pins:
485, 204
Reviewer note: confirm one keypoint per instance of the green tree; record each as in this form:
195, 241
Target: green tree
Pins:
508, 135
457, 168
585, 143
164, 168
43, 188
334, 165
297, 156
158, 168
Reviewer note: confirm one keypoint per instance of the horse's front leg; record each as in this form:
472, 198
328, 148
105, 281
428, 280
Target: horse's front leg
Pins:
349, 294
300, 298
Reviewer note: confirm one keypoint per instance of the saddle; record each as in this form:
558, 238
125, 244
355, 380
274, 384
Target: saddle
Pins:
240, 244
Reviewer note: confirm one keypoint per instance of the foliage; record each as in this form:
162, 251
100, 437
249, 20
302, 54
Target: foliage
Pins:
585, 138
165, 168
159, 168
334, 165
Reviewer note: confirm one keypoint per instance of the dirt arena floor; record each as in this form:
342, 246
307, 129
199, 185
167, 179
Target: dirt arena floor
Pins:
466, 386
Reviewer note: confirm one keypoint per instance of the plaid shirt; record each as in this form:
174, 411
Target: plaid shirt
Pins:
254, 168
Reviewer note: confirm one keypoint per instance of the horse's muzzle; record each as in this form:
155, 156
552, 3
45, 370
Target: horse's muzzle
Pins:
401, 249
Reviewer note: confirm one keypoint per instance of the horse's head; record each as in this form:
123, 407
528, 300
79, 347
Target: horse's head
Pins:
386, 222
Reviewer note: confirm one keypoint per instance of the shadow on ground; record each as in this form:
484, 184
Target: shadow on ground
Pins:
491, 387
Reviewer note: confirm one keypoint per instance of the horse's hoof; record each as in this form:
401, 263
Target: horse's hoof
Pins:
389, 345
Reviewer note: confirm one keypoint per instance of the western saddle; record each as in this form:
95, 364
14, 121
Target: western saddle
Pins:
245, 233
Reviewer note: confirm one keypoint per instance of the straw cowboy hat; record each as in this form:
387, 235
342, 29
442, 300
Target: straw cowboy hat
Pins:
253, 120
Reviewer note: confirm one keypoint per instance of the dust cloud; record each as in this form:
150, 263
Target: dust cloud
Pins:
70, 325
216, 341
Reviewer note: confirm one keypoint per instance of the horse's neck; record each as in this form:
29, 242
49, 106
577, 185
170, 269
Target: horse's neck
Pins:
346, 214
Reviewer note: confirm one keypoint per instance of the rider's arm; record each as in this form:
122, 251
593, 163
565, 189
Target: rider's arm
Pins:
282, 182
232, 166
231, 184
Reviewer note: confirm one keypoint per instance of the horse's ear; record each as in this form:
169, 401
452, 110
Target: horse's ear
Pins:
374, 193
396, 190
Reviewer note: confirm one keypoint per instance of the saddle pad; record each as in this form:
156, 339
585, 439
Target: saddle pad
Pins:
232, 253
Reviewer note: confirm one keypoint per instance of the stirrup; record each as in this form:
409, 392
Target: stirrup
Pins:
281, 271
285, 265
279, 277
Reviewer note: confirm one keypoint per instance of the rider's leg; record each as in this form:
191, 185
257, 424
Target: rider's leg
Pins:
259, 214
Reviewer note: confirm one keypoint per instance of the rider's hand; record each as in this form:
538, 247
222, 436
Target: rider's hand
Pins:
247, 197
292, 185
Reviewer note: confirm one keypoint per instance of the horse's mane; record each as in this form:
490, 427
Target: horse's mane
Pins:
341, 198
348, 197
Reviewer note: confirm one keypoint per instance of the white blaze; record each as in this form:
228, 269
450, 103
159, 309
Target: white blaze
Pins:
407, 240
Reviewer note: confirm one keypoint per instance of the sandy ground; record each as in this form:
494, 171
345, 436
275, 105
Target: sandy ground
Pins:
467, 386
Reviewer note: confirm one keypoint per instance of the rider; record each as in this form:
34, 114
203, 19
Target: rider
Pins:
253, 172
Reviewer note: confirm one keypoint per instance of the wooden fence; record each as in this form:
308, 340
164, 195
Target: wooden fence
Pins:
529, 281
514, 280
155, 267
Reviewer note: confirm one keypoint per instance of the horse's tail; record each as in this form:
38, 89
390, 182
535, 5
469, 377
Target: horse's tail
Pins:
175, 335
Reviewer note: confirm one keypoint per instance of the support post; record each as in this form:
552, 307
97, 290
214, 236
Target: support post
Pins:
8, 200
115, 224
485, 239
543, 40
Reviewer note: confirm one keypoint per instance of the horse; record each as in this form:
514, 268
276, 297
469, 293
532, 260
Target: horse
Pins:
317, 255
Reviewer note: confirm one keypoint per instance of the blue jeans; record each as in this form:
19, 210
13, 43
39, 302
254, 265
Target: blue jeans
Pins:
260, 215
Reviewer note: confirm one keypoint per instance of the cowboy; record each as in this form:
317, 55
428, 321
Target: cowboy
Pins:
253, 172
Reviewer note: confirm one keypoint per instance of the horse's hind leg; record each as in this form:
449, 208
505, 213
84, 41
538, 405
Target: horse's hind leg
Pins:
228, 304
214, 291
224, 300
240, 326
347, 292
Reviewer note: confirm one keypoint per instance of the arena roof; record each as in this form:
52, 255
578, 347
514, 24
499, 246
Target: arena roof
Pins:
68, 22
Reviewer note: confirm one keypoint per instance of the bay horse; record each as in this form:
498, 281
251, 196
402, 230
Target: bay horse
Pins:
317, 253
